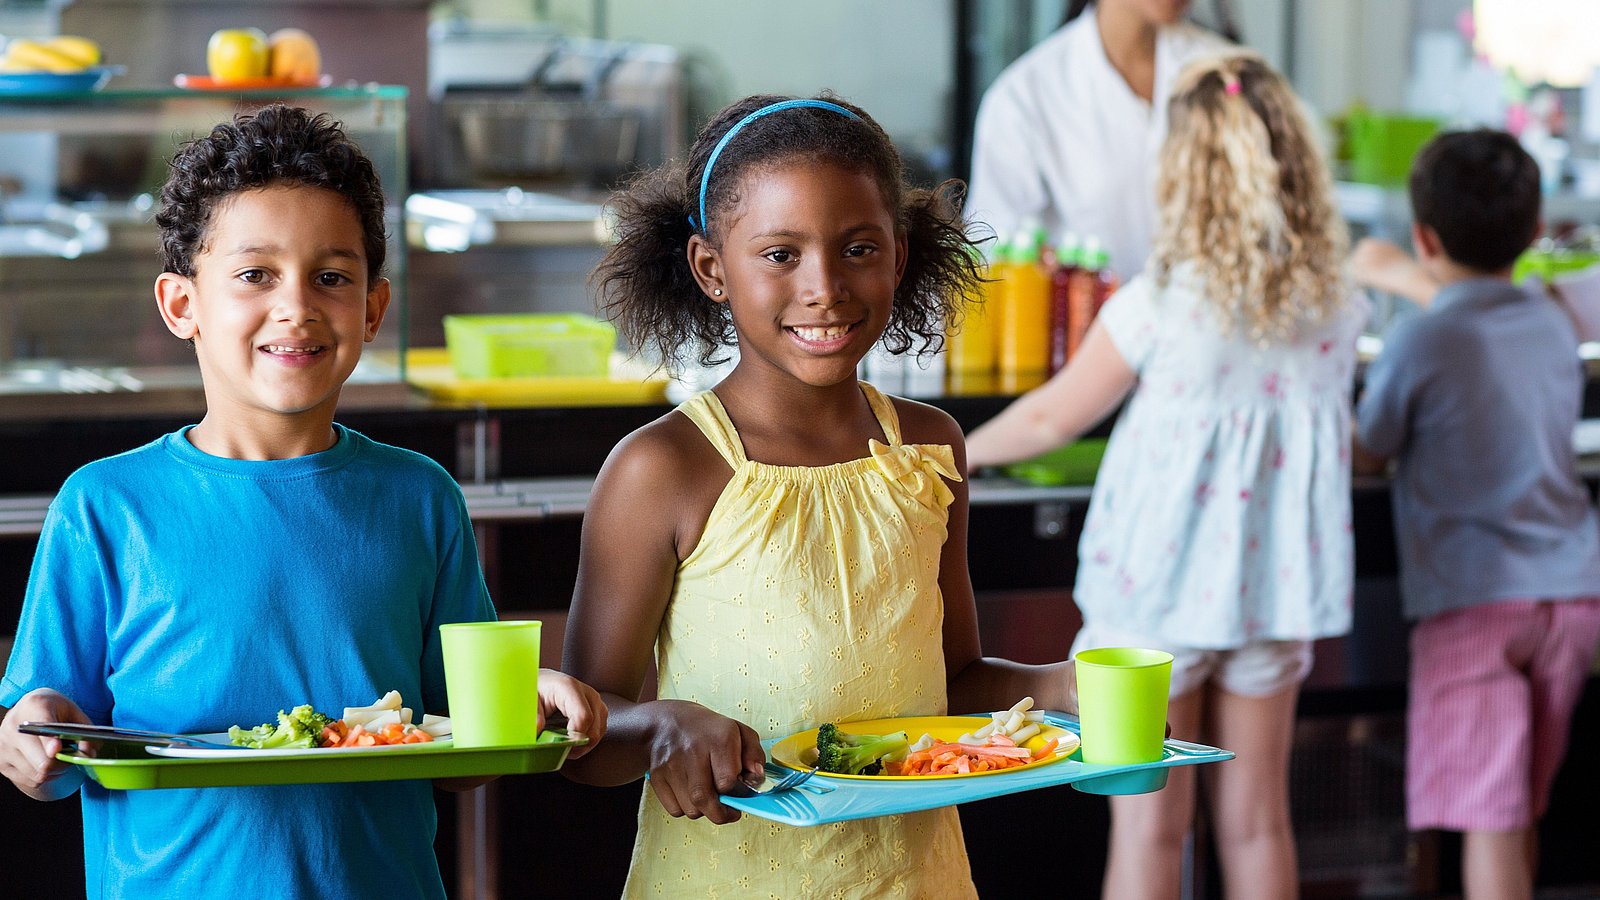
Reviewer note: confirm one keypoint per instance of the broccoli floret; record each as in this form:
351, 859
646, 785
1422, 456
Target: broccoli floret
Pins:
310, 721
283, 735
858, 754
296, 729
256, 737
251, 737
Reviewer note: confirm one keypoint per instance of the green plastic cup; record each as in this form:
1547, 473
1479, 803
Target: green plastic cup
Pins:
491, 673
1122, 704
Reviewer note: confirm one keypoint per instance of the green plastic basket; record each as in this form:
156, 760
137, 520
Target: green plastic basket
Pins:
1076, 463
530, 345
1548, 264
1383, 146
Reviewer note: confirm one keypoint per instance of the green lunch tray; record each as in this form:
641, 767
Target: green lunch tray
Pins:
234, 768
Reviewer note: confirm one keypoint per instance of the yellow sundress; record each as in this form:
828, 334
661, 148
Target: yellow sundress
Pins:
813, 596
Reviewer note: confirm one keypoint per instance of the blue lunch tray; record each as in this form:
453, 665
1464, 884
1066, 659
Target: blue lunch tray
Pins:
847, 799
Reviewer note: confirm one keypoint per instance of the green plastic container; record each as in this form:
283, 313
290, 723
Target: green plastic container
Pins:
1074, 464
531, 345
1548, 264
1383, 146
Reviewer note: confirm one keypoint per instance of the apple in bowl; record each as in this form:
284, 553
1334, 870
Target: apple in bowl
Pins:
237, 54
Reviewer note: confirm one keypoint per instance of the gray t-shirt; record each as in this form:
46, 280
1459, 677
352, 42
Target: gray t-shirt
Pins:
1477, 399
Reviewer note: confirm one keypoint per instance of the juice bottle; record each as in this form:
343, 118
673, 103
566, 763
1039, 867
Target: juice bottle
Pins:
1091, 283
1060, 315
1047, 254
1025, 319
971, 337
1106, 282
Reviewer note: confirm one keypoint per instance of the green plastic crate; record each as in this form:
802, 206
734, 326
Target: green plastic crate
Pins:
1076, 463
1548, 264
530, 345
1383, 146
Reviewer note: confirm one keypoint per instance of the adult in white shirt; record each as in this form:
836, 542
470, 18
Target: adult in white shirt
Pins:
1067, 136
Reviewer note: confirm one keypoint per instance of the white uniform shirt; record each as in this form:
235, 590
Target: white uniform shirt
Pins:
1062, 139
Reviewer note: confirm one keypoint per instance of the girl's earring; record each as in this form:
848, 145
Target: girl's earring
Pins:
716, 292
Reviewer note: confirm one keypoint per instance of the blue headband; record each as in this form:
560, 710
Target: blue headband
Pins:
705, 176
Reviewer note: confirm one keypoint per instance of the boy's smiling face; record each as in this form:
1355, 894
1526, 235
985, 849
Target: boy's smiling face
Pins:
278, 307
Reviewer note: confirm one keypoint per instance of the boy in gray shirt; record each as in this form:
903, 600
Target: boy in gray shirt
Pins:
1476, 400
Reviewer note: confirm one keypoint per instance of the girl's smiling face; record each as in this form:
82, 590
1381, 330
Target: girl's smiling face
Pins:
809, 262
279, 304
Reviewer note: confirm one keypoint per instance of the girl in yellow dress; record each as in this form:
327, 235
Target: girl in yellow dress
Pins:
791, 545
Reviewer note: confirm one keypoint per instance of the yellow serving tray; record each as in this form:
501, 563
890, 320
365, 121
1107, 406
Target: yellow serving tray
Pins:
428, 369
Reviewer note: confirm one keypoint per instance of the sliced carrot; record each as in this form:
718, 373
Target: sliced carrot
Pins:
997, 753
332, 734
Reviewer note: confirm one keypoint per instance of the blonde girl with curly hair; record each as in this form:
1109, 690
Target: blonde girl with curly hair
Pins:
1219, 527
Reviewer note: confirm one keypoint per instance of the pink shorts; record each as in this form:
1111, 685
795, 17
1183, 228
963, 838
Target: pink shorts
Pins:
1492, 693
1259, 669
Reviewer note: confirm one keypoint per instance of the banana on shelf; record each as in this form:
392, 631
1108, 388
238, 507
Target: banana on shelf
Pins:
62, 54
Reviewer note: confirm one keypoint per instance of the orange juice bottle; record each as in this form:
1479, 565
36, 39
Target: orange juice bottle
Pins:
971, 335
1024, 352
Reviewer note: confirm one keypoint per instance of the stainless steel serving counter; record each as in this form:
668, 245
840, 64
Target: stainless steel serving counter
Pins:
539, 499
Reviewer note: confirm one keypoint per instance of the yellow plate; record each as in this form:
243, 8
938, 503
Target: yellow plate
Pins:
799, 751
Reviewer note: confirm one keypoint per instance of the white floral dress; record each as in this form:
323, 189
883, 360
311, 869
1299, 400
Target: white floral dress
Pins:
1221, 512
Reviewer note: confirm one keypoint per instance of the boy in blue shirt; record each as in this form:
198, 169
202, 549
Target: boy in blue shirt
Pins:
1476, 399
263, 558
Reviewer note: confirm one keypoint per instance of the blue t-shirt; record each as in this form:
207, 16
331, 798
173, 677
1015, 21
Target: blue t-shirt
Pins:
180, 591
1477, 399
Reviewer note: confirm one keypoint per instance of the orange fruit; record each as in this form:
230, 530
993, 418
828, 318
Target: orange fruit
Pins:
292, 56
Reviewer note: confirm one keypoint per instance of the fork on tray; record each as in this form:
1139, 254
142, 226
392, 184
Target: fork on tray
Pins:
781, 778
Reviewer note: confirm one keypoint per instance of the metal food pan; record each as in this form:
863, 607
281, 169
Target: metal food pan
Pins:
547, 137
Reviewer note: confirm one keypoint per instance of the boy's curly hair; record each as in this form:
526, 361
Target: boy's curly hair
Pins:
278, 144
645, 283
